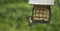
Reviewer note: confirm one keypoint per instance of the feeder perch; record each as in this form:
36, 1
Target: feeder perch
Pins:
41, 11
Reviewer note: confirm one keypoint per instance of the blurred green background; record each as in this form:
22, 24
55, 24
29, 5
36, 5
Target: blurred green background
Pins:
14, 16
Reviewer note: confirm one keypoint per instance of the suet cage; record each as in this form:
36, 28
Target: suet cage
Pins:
41, 12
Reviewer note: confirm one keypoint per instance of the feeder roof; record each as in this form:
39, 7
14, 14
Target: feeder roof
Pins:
41, 2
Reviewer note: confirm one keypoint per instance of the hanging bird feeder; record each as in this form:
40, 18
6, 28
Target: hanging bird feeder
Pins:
41, 11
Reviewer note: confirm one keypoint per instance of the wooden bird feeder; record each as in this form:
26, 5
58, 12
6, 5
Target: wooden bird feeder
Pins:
41, 10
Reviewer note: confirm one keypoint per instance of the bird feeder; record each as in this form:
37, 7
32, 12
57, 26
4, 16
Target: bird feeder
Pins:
41, 10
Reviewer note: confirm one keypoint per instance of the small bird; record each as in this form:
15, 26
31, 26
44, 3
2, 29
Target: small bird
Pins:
30, 21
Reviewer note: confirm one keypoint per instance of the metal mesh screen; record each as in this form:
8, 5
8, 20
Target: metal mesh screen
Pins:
40, 13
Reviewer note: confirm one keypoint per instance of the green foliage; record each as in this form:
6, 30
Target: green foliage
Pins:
14, 16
